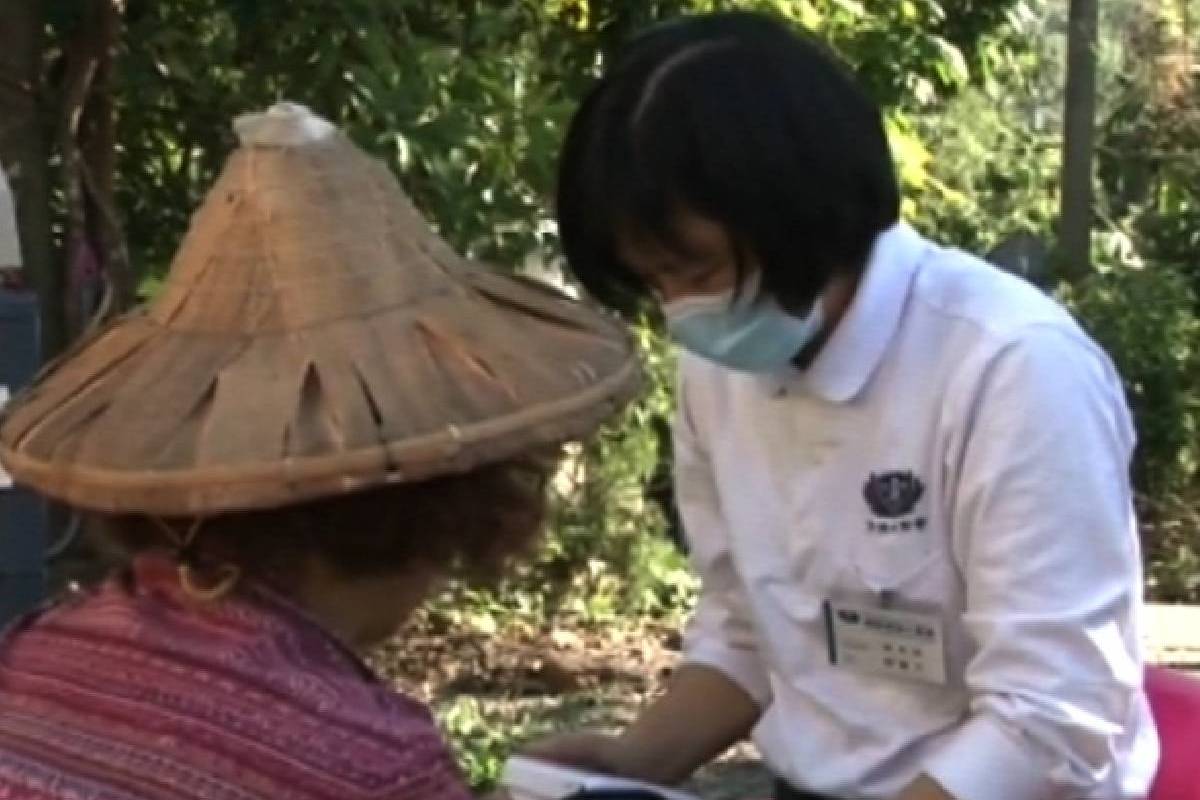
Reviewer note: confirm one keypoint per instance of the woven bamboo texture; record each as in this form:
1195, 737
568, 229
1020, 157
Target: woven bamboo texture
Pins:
314, 336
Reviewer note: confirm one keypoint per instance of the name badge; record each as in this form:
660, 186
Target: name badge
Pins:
892, 642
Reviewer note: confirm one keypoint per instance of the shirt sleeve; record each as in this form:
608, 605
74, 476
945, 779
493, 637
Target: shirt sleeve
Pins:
1046, 540
10, 246
720, 634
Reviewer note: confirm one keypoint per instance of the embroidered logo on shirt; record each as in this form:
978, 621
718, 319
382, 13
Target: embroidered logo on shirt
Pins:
893, 497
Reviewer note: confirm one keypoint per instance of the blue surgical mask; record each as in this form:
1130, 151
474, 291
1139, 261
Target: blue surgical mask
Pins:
750, 333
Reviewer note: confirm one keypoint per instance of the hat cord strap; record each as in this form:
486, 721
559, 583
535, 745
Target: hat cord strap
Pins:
189, 581
230, 574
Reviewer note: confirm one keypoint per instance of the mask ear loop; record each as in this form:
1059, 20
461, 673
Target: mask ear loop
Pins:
229, 574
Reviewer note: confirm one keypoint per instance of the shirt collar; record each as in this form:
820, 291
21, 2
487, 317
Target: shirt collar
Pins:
252, 603
856, 347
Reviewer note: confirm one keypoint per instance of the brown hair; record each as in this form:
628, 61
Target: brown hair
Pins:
471, 522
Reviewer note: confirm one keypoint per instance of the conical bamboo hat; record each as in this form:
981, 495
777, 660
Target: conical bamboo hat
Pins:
314, 336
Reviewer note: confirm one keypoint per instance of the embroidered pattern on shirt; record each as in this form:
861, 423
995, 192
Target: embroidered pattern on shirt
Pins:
892, 497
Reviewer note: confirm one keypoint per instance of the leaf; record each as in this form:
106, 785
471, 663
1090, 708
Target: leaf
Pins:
910, 153
804, 12
853, 8
955, 69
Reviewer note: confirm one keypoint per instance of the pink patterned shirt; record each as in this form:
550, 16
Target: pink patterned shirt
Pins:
136, 691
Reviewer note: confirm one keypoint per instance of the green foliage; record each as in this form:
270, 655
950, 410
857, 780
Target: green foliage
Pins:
1171, 536
485, 731
1145, 303
481, 745
903, 51
464, 100
606, 555
1146, 318
608, 536
992, 177
467, 100
1150, 134
995, 168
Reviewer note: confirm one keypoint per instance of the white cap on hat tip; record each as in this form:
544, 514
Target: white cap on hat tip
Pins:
284, 124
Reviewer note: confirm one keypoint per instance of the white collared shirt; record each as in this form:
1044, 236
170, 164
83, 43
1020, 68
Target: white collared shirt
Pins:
1023, 534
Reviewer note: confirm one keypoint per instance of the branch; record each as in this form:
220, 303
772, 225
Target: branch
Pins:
83, 61
98, 147
118, 251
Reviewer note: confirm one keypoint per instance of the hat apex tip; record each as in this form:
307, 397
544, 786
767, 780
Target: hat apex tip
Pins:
284, 124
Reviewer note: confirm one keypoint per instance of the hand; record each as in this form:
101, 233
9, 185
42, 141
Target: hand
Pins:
925, 788
702, 713
597, 752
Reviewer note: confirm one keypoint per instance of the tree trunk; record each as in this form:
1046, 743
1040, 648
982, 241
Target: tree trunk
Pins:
23, 149
99, 278
1075, 226
98, 145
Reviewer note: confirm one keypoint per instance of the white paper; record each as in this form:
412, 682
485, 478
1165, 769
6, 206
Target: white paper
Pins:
532, 779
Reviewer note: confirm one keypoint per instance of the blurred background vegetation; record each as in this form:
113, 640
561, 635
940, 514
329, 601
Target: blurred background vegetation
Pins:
467, 101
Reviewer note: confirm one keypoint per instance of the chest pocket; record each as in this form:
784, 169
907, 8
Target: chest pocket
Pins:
896, 541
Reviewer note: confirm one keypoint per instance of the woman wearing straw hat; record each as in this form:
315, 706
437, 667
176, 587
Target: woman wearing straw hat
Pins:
323, 413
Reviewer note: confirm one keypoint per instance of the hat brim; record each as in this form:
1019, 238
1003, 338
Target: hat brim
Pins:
142, 419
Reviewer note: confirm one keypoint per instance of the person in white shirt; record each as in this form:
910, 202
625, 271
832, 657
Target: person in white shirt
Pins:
10, 245
904, 474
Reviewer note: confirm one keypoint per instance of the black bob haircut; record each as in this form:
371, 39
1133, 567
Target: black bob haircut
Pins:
740, 119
